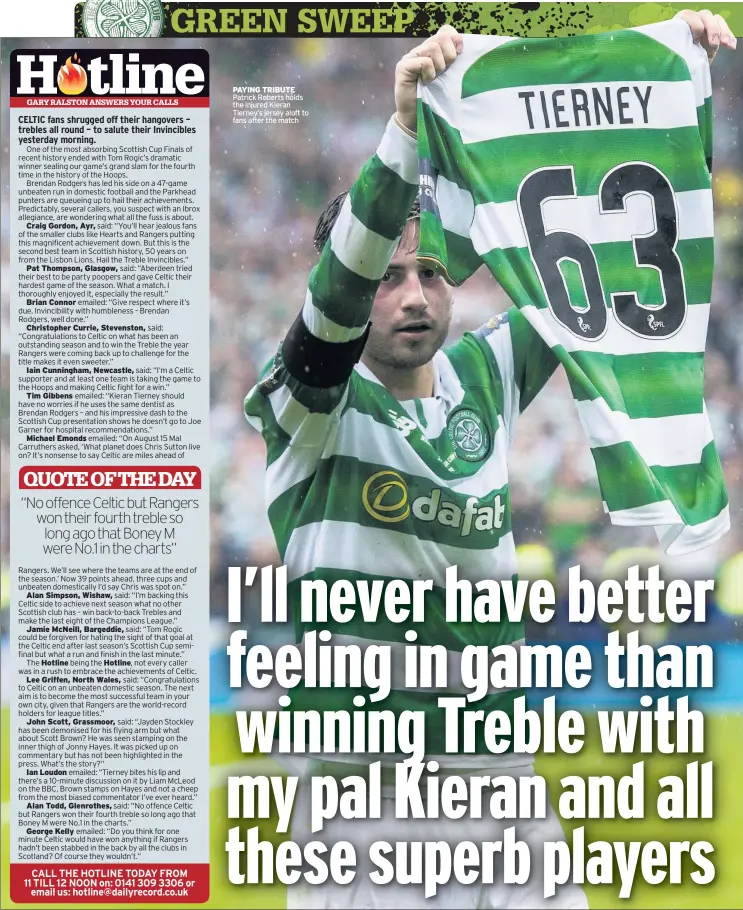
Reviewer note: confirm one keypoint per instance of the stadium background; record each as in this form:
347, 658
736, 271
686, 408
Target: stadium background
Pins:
268, 185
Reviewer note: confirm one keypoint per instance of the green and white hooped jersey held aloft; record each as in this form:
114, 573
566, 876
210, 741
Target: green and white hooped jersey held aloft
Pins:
578, 170
361, 486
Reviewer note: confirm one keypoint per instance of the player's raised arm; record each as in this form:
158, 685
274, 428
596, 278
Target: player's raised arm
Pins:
327, 338
424, 63
357, 236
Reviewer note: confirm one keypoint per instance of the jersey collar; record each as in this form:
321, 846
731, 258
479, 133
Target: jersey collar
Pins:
446, 385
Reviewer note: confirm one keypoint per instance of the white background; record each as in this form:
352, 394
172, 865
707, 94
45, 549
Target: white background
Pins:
37, 19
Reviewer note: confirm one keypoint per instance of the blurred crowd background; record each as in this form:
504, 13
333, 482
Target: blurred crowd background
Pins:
269, 184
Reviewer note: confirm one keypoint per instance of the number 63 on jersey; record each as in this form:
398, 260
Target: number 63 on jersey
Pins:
567, 265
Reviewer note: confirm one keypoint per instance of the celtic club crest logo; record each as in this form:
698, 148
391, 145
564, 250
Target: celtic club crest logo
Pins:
123, 18
468, 434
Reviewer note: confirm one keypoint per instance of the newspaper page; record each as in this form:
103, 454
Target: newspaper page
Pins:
406, 635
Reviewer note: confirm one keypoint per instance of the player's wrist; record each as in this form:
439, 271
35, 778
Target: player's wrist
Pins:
398, 150
406, 124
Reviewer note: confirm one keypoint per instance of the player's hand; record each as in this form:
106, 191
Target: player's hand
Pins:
710, 31
425, 62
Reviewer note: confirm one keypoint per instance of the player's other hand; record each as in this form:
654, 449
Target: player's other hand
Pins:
710, 31
425, 62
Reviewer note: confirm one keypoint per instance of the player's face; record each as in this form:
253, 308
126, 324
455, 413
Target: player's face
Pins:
411, 313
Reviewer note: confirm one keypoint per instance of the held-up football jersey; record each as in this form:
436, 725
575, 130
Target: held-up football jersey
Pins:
364, 488
578, 170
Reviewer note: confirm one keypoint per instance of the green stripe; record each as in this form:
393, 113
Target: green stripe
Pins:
623, 56
705, 119
475, 365
442, 144
444, 148
619, 273
444, 509
533, 360
339, 293
697, 490
256, 404
451, 255
462, 259
381, 200
283, 511
617, 266
498, 166
623, 381
435, 630
626, 481
318, 401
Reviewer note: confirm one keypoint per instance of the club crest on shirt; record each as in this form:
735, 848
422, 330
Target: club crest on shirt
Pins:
468, 434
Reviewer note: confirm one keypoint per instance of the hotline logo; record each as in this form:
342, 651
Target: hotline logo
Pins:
71, 77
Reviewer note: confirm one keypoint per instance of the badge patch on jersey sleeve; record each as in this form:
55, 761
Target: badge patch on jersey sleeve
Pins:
468, 433
274, 378
427, 189
492, 325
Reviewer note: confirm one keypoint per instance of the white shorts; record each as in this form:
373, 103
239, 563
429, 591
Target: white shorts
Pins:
363, 894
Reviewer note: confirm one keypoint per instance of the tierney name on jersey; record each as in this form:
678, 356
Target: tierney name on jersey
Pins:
591, 105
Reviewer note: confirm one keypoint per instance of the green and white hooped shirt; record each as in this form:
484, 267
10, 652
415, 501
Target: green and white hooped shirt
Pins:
361, 486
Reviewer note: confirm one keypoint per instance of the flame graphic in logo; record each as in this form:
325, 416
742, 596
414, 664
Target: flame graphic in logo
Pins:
72, 78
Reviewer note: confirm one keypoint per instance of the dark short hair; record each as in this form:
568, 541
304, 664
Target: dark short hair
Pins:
328, 218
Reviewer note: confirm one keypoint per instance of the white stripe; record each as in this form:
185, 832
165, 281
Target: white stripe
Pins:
447, 394
583, 216
306, 427
457, 207
362, 251
617, 340
501, 113
255, 422
676, 538
690, 538
454, 680
324, 328
654, 513
501, 344
447, 383
695, 214
498, 226
399, 152
342, 545
291, 467
665, 441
